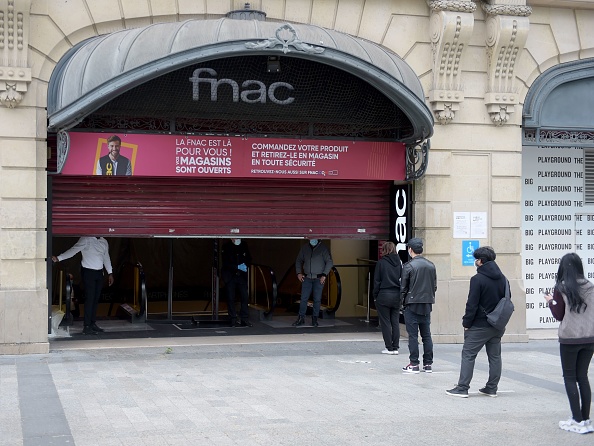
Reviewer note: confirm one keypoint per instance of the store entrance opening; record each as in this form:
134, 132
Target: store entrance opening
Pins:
178, 280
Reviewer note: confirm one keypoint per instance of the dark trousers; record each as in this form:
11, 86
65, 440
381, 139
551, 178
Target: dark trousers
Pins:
389, 317
575, 360
416, 323
309, 287
237, 283
93, 281
474, 340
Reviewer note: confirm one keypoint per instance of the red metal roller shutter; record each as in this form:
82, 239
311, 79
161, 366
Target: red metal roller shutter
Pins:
147, 207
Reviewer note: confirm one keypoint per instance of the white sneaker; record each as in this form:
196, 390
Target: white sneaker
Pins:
394, 352
573, 426
590, 425
389, 352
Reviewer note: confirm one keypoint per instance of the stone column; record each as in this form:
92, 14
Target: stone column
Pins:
23, 157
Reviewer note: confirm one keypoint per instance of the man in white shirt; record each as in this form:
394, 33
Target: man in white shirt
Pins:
95, 255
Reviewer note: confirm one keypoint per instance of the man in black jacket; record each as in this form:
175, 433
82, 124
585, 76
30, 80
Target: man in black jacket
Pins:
487, 287
417, 292
236, 260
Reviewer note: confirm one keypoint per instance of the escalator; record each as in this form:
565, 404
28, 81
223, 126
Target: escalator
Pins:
177, 282
125, 299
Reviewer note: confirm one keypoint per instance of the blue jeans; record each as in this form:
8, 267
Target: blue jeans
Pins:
307, 286
474, 340
416, 323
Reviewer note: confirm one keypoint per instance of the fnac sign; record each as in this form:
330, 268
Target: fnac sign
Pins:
400, 217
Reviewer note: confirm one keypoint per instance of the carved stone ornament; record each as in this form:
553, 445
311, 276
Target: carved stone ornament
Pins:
417, 160
15, 76
452, 5
286, 36
63, 145
450, 34
515, 8
506, 38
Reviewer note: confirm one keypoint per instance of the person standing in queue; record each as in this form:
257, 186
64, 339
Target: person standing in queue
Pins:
313, 264
487, 287
95, 256
417, 292
386, 294
236, 261
572, 303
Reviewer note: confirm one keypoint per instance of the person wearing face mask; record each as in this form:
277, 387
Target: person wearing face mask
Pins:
313, 265
487, 287
418, 285
236, 261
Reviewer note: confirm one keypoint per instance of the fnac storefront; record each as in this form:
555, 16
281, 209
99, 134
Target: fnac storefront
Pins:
233, 128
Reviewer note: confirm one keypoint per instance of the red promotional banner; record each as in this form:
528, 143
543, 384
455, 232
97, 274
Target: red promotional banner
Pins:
215, 156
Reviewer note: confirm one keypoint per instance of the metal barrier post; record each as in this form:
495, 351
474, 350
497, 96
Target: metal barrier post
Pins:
367, 319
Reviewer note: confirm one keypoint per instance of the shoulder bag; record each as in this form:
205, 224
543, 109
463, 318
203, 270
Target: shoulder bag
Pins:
502, 313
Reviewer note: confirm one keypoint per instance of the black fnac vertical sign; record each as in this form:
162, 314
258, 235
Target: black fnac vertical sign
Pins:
401, 217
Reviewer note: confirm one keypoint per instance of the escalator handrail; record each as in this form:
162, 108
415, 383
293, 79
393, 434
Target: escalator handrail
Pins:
68, 319
338, 291
143, 293
268, 269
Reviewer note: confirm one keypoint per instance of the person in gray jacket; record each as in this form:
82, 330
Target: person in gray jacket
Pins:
417, 292
313, 265
386, 294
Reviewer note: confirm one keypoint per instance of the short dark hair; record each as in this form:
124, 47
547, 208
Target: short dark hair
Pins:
484, 254
114, 138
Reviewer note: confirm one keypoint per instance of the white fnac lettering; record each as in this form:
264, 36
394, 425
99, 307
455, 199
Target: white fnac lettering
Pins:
252, 92
400, 226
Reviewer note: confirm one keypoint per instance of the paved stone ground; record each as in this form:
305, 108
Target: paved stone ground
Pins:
309, 389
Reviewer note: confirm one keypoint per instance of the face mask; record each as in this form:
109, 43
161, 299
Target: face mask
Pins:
313, 242
237, 241
476, 263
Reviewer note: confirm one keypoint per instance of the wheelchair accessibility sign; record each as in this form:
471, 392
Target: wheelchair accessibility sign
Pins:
468, 247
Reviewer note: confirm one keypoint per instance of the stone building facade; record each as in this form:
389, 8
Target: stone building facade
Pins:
476, 60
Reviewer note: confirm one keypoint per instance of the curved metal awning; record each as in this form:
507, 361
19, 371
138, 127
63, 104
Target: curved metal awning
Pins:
562, 97
101, 68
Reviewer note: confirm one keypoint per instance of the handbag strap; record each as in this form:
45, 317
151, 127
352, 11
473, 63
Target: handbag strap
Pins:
505, 296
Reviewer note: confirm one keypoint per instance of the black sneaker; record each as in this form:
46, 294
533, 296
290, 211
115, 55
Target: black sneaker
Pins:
96, 328
457, 391
88, 330
300, 321
488, 392
411, 368
246, 324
